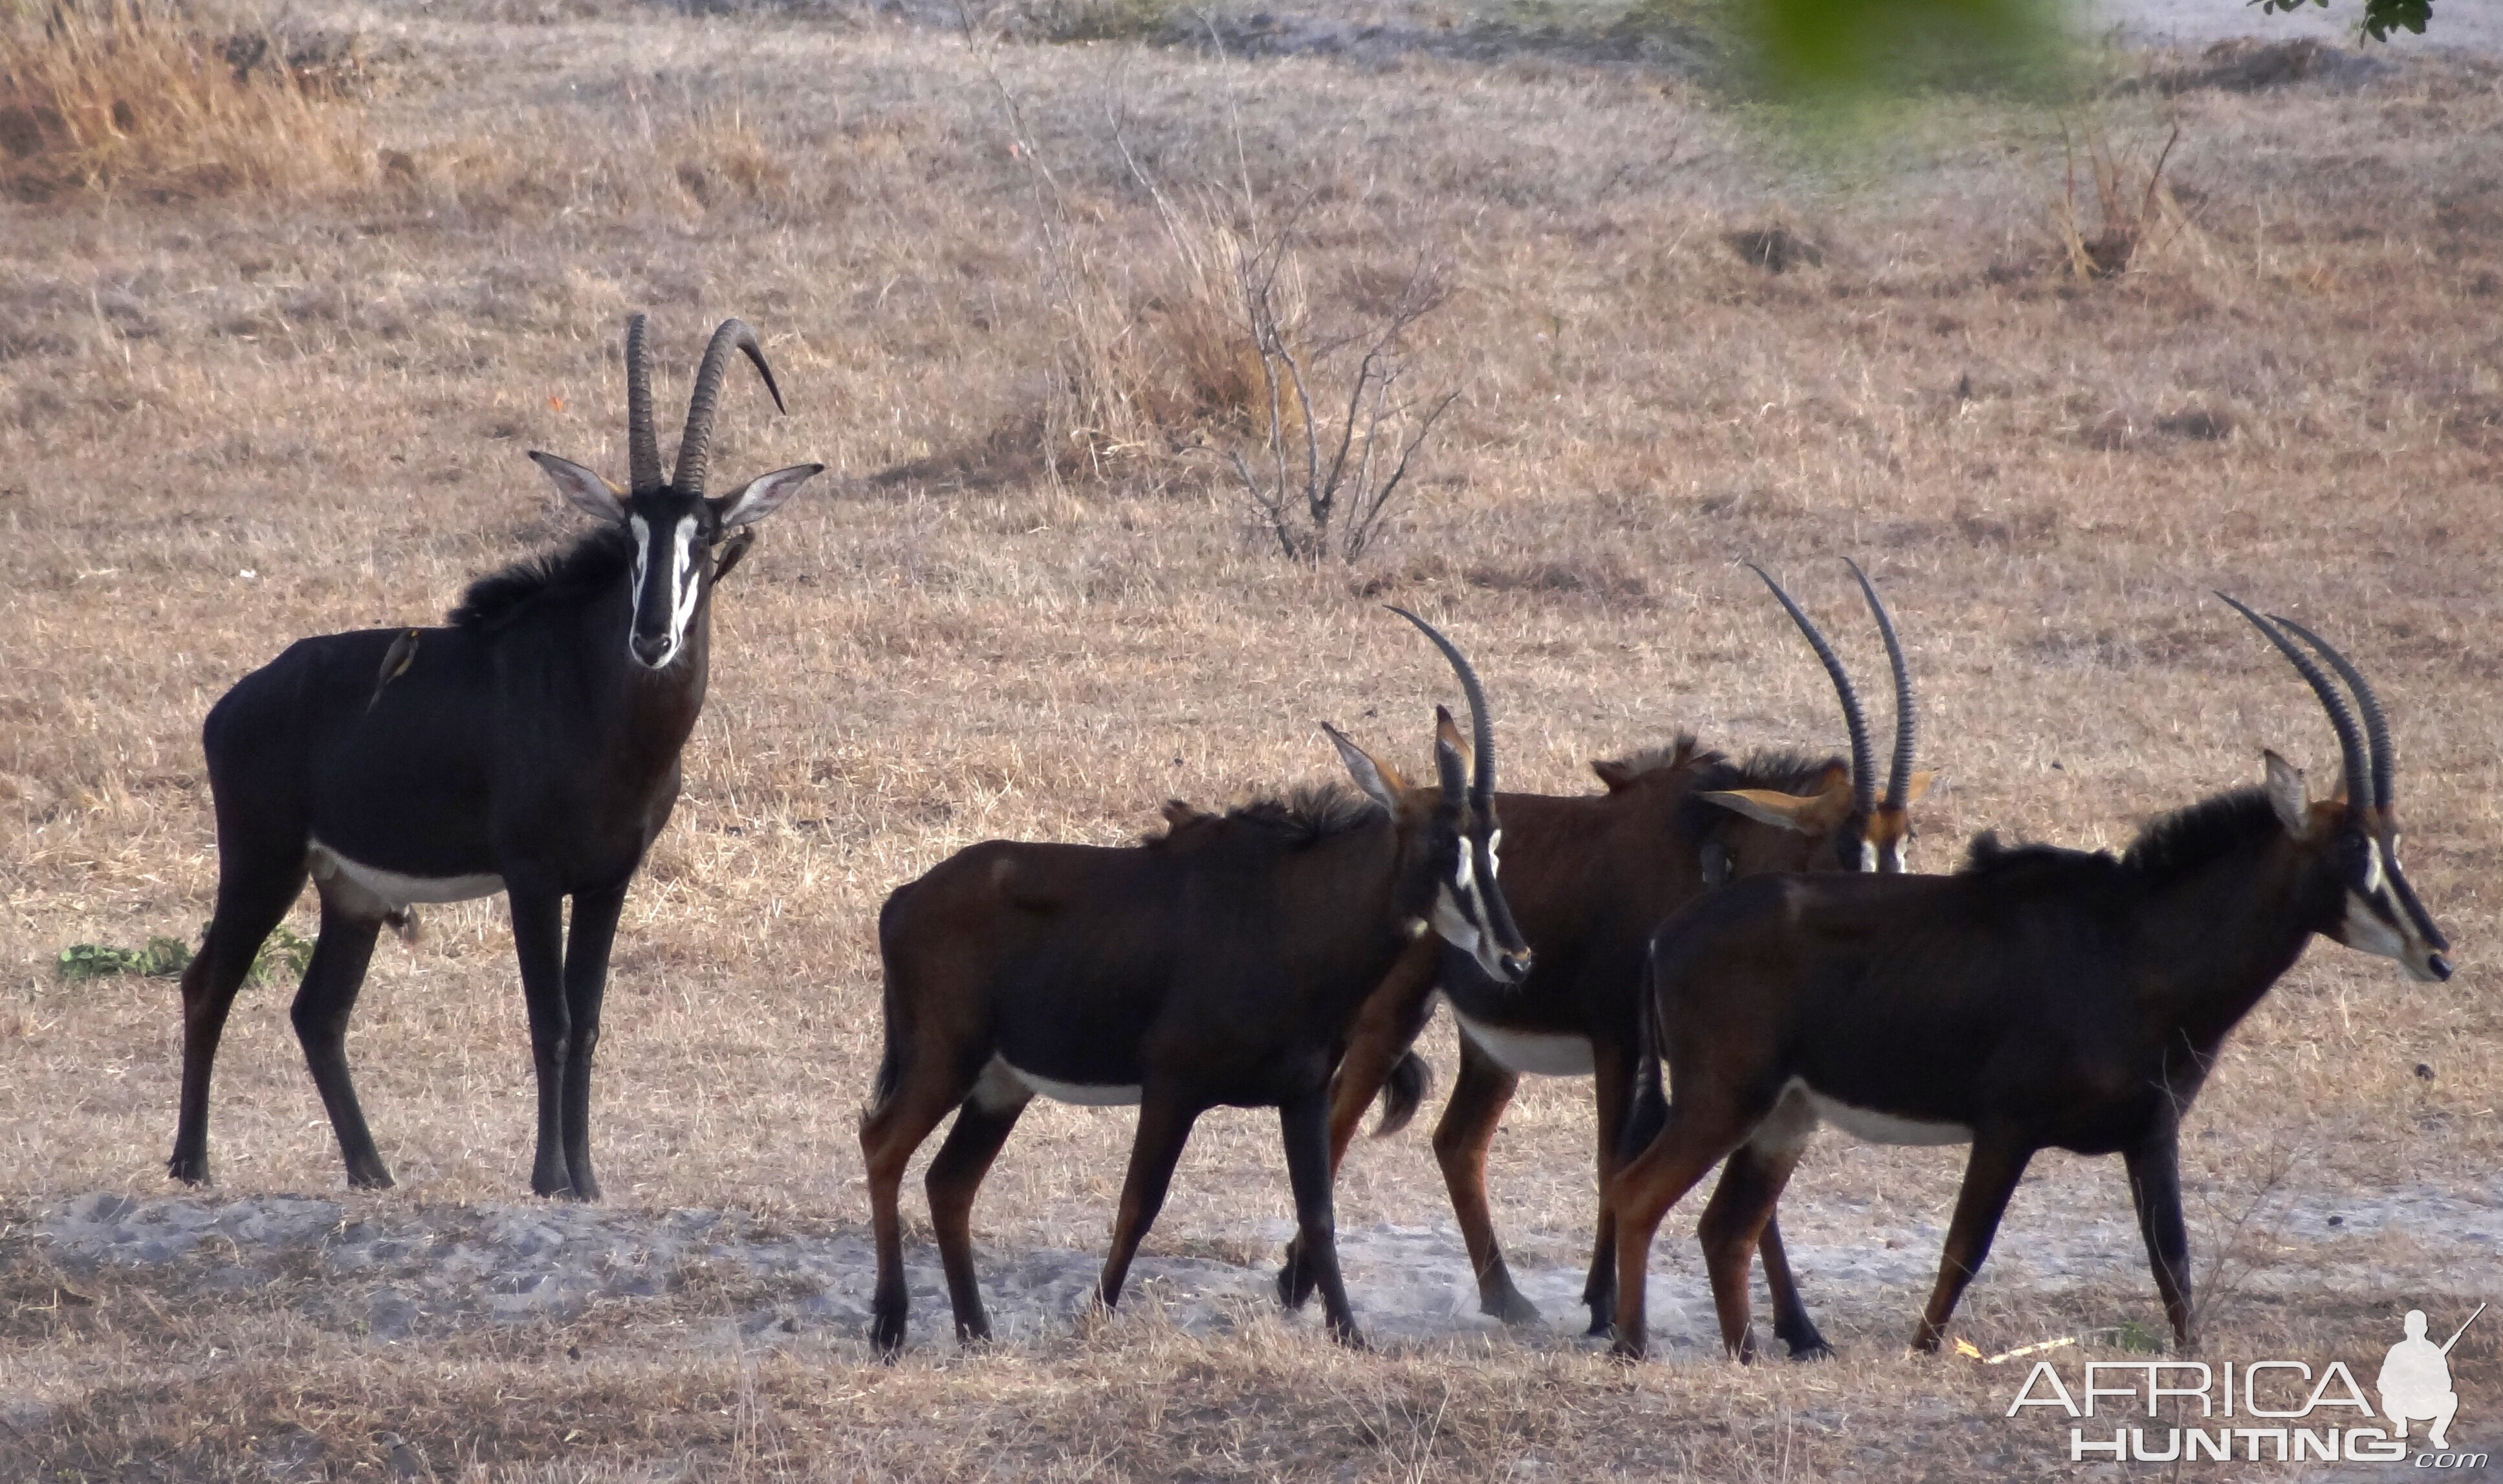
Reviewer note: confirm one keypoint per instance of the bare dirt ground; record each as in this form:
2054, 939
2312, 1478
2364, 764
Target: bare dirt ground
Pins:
231, 419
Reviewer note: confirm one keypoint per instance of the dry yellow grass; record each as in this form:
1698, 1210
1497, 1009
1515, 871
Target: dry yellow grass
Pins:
163, 102
226, 424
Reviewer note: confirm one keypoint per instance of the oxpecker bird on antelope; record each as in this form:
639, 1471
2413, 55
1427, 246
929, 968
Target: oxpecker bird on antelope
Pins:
2039, 998
1219, 963
528, 746
1590, 877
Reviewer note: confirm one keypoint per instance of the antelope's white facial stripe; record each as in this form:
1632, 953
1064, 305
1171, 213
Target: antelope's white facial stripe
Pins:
683, 592
1494, 853
2366, 932
1868, 856
1452, 925
2373, 875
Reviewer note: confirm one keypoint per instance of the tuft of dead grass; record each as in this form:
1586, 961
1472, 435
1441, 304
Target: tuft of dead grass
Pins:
2132, 217
146, 97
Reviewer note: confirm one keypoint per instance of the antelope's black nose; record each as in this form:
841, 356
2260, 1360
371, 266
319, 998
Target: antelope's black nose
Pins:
1515, 966
2437, 965
651, 651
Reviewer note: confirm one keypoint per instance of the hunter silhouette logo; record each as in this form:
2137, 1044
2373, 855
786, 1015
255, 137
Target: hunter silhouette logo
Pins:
2416, 1380
2262, 1410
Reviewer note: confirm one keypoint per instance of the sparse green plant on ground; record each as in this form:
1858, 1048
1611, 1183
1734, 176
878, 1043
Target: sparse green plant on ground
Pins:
282, 958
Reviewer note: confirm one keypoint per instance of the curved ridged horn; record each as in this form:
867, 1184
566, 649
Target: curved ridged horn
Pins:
2350, 745
1898, 772
2377, 728
642, 446
1863, 762
694, 445
1481, 724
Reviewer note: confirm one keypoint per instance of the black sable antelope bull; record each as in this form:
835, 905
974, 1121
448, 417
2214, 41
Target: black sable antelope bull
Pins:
1217, 964
2039, 998
530, 747
1589, 878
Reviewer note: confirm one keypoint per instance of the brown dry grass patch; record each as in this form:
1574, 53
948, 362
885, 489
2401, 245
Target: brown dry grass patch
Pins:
154, 99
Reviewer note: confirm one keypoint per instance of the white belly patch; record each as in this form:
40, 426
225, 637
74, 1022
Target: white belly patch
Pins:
1874, 1127
1541, 1053
1000, 1081
370, 889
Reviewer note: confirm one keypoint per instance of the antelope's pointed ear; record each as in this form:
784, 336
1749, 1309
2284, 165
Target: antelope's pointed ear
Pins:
1379, 781
588, 490
1814, 813
1612, 772
1917, 785
2288, 796
763, 495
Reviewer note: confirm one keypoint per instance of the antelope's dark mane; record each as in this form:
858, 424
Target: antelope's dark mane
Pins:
1309, 814
2191, 839
2171, 846
588, 567
1683, 749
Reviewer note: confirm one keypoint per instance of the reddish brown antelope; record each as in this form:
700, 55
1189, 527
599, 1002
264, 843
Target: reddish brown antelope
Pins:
2039, 998
1590, 877
530, 747
1217, 964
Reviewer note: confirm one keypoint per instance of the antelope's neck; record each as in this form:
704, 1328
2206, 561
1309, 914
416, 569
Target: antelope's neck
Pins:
646, 716
2221, 939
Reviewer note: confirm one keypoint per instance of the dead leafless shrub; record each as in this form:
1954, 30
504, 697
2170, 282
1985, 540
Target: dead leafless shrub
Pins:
1322, 480
142, 96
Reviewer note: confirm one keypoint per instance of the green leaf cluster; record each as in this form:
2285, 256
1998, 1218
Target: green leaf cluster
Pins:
2380, 16
281, 957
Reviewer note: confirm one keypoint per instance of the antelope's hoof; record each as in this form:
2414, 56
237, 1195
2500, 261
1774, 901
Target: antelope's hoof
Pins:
371, 1177
1349, 1335
1812, 1348
886, 1335
1507, 1304
190, 1171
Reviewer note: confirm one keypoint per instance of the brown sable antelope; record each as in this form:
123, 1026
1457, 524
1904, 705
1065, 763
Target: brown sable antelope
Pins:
530, 746
1590, 878
2039, 998
1217, 963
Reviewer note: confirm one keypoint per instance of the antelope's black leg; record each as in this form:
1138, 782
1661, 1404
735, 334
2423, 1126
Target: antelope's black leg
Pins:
1480, 1094
2155, 1184
538, 941
1990, 1178
323, 1005
954, 1176
1792, 1325
586, 984
1304, 1121
1613, 1085
1383, 1030
251, 899
1164, 1127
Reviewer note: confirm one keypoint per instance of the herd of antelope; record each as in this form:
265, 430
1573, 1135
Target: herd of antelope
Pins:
1732, 950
